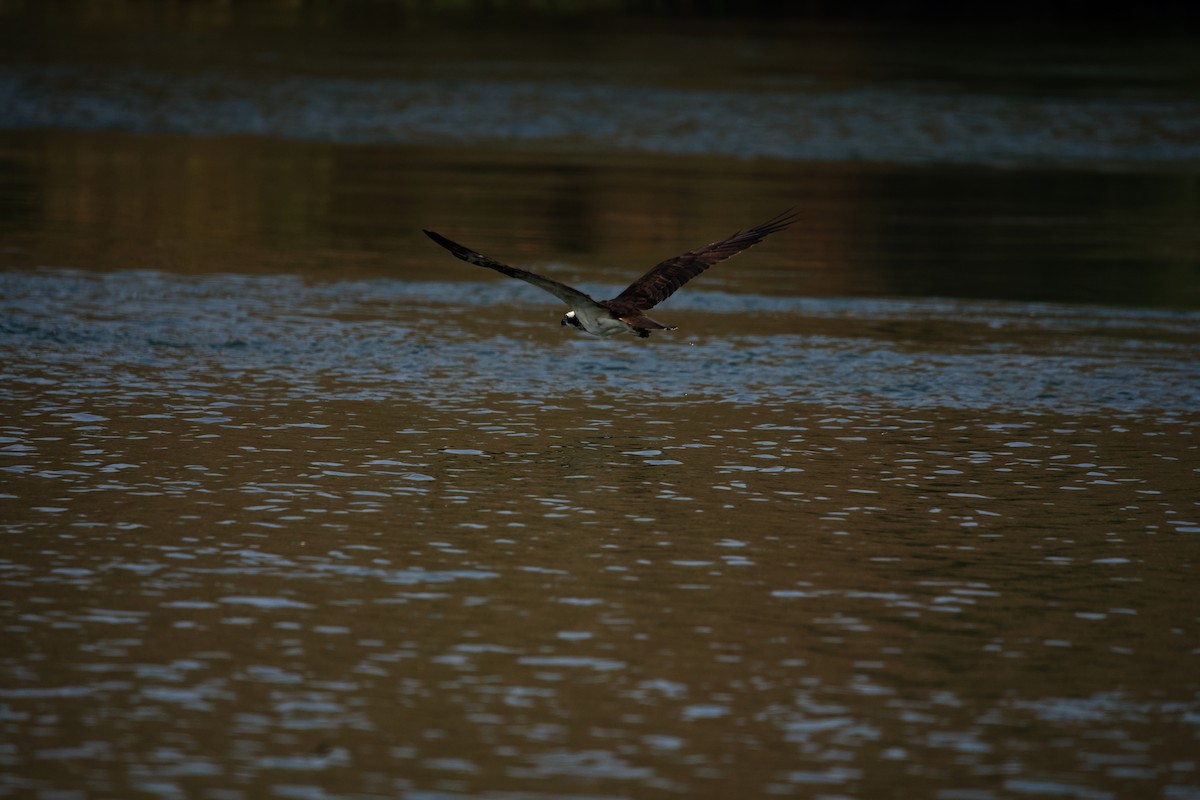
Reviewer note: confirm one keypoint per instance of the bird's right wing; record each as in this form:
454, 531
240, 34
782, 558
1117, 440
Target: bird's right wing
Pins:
572, 297
661, 281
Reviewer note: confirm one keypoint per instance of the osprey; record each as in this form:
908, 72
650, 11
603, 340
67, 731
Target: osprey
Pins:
625, 313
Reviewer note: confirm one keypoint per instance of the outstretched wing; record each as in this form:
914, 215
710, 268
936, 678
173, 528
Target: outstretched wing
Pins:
663, 280
572, 297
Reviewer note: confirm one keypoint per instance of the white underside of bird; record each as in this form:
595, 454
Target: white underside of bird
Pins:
598, 323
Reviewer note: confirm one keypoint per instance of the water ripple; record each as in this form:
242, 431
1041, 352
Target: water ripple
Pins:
159, 333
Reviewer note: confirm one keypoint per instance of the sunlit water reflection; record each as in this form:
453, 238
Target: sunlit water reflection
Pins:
383, 538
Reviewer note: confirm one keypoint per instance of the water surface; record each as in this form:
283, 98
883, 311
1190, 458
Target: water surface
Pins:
293, 504
266, 536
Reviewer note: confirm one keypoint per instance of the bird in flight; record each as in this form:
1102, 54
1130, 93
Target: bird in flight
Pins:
626, 313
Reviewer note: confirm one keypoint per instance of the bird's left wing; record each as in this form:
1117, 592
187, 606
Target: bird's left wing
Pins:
664, 279
572, 297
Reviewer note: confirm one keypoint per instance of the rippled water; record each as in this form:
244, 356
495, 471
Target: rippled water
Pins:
292, 504
447, 343
264, 536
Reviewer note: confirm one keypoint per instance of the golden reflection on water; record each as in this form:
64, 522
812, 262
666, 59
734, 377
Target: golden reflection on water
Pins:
205, 205
595, 596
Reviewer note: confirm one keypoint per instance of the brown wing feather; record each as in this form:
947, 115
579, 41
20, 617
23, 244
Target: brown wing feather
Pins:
663, 280
572, 297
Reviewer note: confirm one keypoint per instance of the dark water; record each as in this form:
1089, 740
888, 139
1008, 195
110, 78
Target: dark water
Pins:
293, 504
786, 91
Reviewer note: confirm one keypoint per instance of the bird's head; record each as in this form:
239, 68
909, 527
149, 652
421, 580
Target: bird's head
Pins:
570, 319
